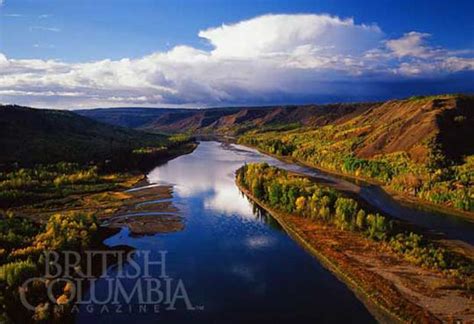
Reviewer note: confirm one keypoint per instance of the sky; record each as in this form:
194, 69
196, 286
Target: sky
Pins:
103, 53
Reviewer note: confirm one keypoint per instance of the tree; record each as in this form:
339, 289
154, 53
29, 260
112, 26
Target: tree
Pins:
378, 227
345, 212
360, 220
257, 188
324, 213
292, 194
313, 205
274, 193
301, 205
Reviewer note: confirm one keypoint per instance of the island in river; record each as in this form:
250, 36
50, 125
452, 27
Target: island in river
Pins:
403, 274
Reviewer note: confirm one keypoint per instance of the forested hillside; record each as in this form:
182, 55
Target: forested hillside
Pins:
29, 136
421, 146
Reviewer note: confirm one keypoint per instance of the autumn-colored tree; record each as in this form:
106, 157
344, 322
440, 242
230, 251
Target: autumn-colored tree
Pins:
301, 205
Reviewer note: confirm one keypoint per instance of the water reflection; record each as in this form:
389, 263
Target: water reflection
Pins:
232, 257
210, 173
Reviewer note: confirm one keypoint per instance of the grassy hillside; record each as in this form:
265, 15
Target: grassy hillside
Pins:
30, 136
420, 146
228, 121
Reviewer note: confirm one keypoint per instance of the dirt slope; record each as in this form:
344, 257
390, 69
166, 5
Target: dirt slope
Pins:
411, 125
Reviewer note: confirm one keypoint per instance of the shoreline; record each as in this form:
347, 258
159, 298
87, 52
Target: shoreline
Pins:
100, 204
383, 291
398, 196
134, 198
374, 307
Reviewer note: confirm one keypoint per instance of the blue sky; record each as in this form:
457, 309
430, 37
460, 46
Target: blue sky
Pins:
74, 53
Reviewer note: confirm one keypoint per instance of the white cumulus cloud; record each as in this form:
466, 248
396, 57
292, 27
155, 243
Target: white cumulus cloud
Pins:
411, 44
273, 35
261, 60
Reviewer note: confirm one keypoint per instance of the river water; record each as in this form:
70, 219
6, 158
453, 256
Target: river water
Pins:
237, 265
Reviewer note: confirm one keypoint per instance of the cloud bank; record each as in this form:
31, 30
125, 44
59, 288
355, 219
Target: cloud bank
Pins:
267, 59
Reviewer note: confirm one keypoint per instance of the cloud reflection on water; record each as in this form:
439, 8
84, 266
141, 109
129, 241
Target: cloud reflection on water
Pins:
201, 174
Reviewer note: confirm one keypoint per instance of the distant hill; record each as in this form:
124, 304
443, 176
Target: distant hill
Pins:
392, 126
231, 121
30, 136
127, 117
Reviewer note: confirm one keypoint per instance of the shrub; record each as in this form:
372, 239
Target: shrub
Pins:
72, 231
16, 231
415, 249
15, 272
378, 227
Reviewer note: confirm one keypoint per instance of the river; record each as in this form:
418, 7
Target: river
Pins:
235, 262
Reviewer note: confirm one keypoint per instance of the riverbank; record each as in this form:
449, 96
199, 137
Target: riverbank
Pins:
392, 288
104, 195
398, 196
72, 219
